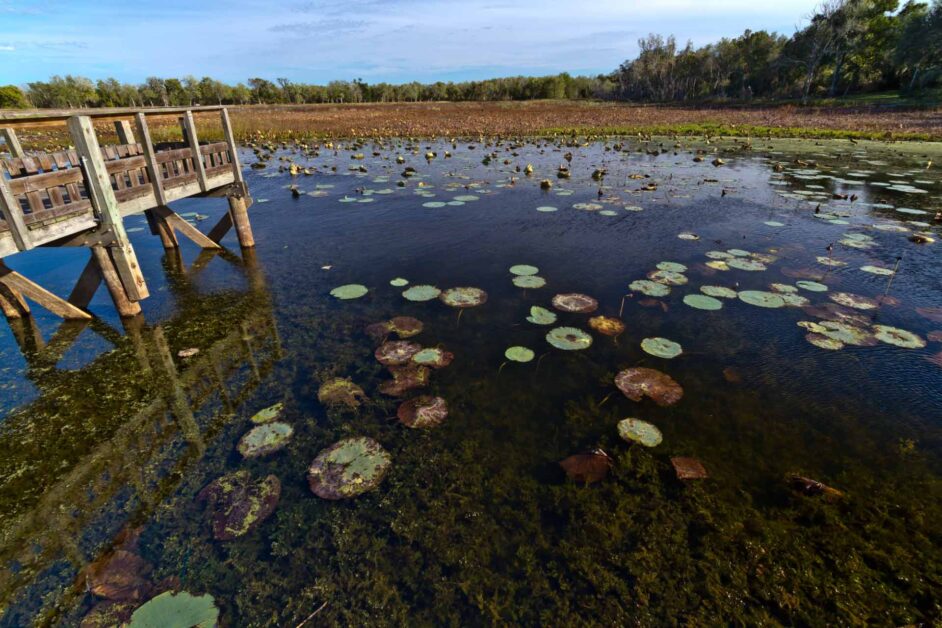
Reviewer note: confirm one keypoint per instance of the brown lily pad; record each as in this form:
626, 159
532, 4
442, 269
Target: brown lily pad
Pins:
403, 326
405, 378
588, 467
348, 468
119, 576
640, 382
689, 469
396, 352
423, 412
238, 503
607, 325
108, 613
340, 392
575, 302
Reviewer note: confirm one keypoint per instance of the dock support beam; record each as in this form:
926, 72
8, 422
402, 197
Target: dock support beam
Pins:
109, 273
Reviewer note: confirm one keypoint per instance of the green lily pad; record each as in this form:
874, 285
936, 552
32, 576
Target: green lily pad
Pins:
348, 468
649, 288
717, 264
641, 432
463, 297
877, 270
823, 342
848, 333
541, 316
668, 277
422, 293
702, 302
811, 286
349, 291
569, 338
519, 354
524, 269
398, 282
433, 357
547, 208
529, 281
719, 292
762, 299
176, 610
265, 439
673, 267
268, 414
854, 300
661, 347
898, 337
745, 264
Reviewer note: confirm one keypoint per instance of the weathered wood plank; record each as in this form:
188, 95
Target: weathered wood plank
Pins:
189, 126
18, 283
185, 228
13, 214
12, 141
230, 140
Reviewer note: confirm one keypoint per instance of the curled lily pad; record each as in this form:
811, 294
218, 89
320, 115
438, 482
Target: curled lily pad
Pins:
607, 325
640, 382
396, 353
529, 281
569, 338
239, 503
421, 293
811, 286
433, 357
641, 432
720, 292
650, 288
523, 270
339, 391
587, 468
405, 378
668, 277
762, 299
702, 302
541, 316
519, 354
661, 347
265, 439
348, 468
268, 414
824, 342
349, 291
463, 297
854, 300
176, 610
398, 282
898, 337
575, 302
673, 267
423, 412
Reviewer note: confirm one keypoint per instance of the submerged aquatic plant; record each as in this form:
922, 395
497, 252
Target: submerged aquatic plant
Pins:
587, 468
689, 468
340, 391
424, 411
348, 468
405, 378
238, 503
639, 382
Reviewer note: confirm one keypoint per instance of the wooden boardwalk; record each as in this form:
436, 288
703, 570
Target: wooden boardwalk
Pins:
79, 197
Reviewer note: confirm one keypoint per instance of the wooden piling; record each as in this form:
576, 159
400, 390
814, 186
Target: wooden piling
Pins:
239, 214
112, 279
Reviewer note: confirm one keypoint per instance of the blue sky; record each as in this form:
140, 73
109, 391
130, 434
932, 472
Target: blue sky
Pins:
392, 40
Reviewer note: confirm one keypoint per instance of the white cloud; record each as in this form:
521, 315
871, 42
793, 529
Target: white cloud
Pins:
7, 48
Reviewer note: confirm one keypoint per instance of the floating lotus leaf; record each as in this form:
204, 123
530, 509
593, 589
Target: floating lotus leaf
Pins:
762, 299
349, 291
268, 414
739, 253
398, 282
661, 347
854, 300
640, 382
848, 334
641, 432
176, 610
650, 288
463, 297
348, 468
606, 325
702, 302
396, 353
529, 281
811, 286
718, 292
405, 378
830, 261
569, 338
339, 391
668, 277
795, 300
673, 267
423, 412
575, 302
720, 255
783, 288
239, 503
265, 439
524, 269
876, 270
519, 354
812, 326
745, 264
824, 342
898, 337
688, 469
588, 467
541, 316
717, 265
119, 575
433, 357
688, 236
421, 293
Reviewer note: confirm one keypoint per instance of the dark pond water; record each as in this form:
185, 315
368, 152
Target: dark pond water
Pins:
108, 436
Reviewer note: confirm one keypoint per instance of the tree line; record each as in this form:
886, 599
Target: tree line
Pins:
846, 46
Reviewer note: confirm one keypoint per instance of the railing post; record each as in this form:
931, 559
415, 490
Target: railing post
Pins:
13, 214
161, 226
98, 185
125, 134
12, 141
238, 201
189, 128
233, 149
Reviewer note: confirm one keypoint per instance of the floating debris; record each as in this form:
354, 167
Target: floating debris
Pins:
349, 291
639, 382
587, 468
569, 338
183, 354
348, 468
265, 439
423, 412
239, 503
661, 347
575, 302
641, 432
